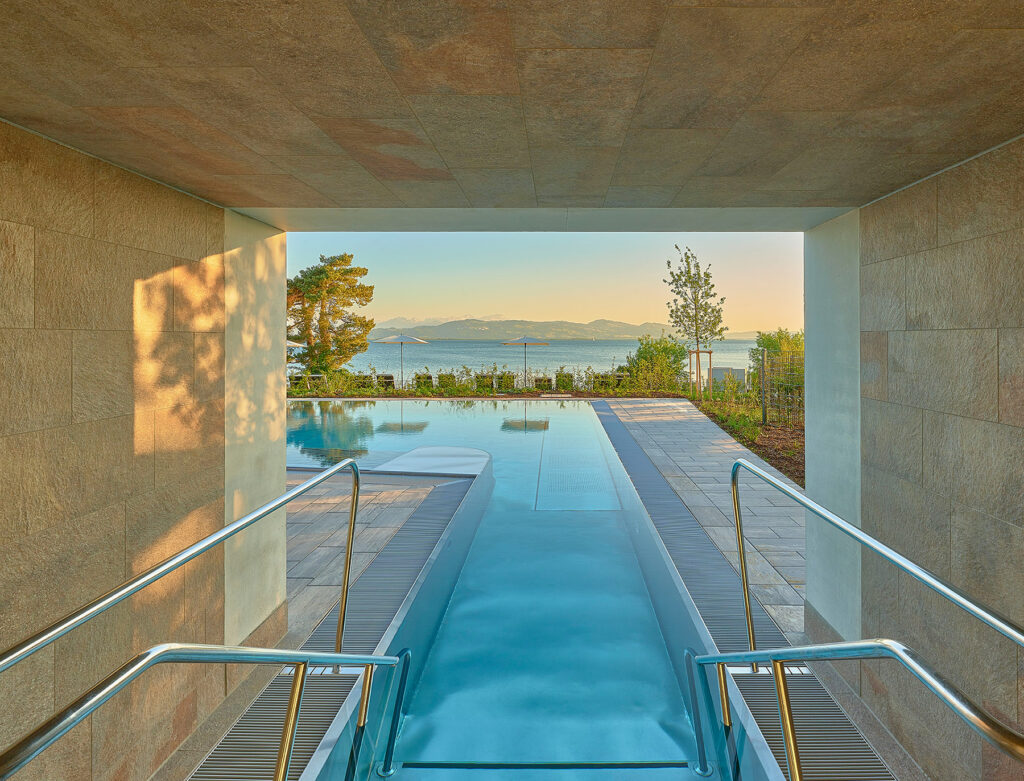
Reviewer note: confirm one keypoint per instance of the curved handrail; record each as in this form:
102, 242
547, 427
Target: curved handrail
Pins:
992, 618
57, 630
994, 731
26, 749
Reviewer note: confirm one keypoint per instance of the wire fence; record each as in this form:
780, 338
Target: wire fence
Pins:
778, 382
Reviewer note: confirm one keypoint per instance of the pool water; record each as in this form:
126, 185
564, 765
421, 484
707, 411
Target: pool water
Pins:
550, 652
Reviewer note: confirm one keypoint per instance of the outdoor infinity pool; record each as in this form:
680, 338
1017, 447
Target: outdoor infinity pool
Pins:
550, 654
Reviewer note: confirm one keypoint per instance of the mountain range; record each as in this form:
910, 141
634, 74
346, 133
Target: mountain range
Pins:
496, 330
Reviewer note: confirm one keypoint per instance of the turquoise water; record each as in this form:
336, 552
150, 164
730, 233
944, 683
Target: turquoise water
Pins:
550, 651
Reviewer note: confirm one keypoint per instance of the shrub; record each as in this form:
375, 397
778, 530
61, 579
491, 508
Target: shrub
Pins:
655, 366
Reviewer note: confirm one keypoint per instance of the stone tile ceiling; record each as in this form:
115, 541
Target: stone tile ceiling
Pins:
519, 103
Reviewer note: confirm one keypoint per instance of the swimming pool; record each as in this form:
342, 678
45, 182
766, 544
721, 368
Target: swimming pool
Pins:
554, 658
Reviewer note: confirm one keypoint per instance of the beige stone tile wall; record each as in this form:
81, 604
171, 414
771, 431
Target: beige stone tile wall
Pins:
112, 317
942, 409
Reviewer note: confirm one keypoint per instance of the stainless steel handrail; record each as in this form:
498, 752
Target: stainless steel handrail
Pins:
995, 732
25, 750
55, 631
997, 621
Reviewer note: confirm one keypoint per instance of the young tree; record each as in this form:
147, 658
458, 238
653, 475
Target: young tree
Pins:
319, 300
695, 310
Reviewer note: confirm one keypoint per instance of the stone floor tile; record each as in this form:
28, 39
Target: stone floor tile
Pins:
789, 618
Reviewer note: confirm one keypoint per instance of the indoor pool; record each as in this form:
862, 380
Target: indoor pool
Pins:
551, 659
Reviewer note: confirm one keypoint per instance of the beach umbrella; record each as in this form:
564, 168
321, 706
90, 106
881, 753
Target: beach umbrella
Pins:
401, 427
402, 340
515, 424
524, 341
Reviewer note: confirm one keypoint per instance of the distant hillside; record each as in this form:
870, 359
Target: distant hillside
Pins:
496, 330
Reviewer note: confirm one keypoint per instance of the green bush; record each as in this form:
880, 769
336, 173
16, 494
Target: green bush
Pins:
423, 381
656, 366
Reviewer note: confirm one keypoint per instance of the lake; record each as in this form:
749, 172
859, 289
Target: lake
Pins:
573, 354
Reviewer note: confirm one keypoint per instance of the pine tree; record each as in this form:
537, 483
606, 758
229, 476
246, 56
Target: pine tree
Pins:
695, 310
319, 300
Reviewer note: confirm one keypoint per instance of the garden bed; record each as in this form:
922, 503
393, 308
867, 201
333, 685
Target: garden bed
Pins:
782, 446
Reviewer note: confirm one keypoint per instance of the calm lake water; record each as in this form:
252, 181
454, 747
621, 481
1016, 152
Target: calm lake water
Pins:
573, 354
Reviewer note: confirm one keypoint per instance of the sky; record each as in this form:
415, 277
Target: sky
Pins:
564, 276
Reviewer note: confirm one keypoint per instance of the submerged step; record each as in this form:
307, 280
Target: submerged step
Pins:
544, 765
654, 771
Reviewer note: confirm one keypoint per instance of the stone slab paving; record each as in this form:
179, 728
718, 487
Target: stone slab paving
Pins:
696, 457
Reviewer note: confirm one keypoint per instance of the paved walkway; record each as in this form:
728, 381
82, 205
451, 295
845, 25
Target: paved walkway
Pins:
318, 532
696, 456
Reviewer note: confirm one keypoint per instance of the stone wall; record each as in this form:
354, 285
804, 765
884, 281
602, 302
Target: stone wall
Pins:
112, 446
942, 410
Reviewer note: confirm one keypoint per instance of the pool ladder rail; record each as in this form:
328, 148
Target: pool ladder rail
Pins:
29, 747
994, 731
45, 734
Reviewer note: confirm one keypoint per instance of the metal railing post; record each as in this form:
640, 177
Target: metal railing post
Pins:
291, 723
764, 387
741, 551
343, 604
364, 697
786, 716
701, 767
723, 693
387, 767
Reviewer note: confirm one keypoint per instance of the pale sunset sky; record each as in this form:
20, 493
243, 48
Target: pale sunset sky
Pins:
564, 276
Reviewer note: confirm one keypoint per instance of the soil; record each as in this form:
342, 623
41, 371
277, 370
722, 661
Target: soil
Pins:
780, 446
783, 448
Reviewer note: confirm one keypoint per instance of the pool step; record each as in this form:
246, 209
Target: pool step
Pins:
555, 771
544, 765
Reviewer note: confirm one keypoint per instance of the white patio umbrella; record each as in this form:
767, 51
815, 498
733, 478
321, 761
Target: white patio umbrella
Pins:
402, 340
524, 341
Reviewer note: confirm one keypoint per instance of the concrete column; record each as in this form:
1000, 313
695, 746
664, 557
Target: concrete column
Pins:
254, 422
832, 376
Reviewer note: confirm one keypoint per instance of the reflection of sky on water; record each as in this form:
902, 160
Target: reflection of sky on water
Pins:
323, 432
